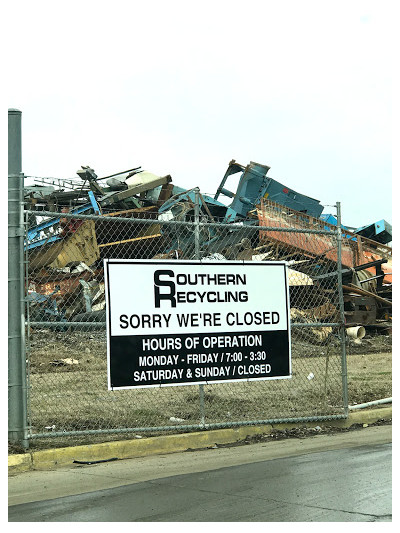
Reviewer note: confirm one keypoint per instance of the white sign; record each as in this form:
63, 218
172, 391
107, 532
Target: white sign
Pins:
187, 322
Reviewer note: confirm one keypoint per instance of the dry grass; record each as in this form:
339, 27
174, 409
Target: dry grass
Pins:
75, 397
369, 377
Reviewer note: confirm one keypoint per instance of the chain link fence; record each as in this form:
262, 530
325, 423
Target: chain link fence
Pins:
66, 314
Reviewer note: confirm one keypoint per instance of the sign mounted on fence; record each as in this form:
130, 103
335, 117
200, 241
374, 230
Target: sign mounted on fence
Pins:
196, 322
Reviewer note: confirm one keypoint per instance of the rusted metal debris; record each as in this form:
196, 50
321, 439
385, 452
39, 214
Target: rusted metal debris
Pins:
65, 254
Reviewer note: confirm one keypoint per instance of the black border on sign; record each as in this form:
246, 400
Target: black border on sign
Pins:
108, 319
107, 262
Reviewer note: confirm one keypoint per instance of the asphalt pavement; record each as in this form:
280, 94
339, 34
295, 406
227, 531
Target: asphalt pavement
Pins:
343, 477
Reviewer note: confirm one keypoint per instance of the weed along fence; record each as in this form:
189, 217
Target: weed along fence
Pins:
138, 324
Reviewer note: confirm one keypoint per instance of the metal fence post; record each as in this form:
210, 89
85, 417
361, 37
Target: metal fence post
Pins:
197, 223
17, 389
342, 328
197, 256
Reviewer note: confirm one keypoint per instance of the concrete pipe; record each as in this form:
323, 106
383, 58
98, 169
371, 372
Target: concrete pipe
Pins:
357, 332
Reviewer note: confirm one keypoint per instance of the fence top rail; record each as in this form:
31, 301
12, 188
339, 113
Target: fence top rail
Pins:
233, 226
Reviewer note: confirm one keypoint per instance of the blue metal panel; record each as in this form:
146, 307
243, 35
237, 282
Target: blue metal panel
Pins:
35, 232
380, 231
281, 194
331, 219
251, 188
94, 204
254, 185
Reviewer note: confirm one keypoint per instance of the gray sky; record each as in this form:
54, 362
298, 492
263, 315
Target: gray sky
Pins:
182, 88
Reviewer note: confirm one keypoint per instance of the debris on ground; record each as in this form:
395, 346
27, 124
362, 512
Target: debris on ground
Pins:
64, 362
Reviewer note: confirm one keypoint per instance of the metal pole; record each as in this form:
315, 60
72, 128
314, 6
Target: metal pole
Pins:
197, 256
197, 222
342, 327
17, 390
370, 404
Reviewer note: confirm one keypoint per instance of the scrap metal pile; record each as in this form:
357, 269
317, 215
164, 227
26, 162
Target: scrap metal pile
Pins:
65, 254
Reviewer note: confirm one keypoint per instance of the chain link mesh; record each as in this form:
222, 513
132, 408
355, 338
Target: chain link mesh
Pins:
66, 335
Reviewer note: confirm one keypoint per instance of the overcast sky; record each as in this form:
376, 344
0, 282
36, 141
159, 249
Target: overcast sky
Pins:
182, 88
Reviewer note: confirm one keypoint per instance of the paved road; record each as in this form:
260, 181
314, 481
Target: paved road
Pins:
350, 484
